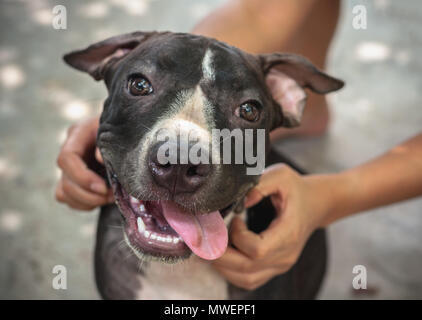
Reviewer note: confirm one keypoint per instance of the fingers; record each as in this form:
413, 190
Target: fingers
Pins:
77, 171
75, 192
259, 257
234, 260
254, 261
268, 184
61, 197
257, 246
80, 187
70, 193
78, 145
248, 281
253, 197
248, 242
81, 137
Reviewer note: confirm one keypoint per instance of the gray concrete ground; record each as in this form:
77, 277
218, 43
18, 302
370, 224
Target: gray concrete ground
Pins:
40, 97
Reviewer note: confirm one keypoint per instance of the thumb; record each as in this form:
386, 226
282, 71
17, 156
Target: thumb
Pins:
267, 185
253, 197
238, 225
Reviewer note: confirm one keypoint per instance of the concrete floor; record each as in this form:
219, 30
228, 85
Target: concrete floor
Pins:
40, 97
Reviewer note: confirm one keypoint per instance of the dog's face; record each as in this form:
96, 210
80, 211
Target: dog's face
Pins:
168, 94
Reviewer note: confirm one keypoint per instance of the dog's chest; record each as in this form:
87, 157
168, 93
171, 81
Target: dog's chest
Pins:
191, 279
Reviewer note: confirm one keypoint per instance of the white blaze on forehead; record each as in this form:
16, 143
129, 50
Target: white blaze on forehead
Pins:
190, 106
207, 66
196, 109
191, 119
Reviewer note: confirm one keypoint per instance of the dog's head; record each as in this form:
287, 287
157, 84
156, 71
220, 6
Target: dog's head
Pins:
174, 174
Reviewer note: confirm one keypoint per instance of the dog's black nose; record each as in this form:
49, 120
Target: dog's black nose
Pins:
178, 177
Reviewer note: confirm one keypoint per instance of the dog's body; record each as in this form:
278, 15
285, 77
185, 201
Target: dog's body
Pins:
190, 85
120, 275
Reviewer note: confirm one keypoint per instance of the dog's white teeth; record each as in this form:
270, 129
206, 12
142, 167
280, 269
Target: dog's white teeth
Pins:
142, 208
162, 238
141, 225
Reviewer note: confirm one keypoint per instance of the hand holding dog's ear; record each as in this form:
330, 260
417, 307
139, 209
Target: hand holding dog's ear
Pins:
79, 187
258, 258
287, 76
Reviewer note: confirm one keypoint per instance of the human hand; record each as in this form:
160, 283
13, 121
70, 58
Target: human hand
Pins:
258, 258
80, 187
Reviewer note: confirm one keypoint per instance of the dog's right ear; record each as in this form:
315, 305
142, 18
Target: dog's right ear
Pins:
97, 58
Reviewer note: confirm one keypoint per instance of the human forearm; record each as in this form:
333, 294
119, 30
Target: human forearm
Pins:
392, 177
305, 203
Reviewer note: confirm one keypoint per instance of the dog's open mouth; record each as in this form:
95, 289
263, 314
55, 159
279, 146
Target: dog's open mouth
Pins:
162, 229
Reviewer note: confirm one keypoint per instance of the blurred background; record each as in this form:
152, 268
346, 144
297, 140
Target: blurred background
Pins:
40, 97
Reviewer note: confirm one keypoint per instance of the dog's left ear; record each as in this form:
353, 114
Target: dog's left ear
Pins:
286, 76
98, 57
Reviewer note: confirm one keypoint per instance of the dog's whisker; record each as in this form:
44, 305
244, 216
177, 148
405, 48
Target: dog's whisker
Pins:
141, 264
122, 243
114, 226
116, 247
146, 127
129, 255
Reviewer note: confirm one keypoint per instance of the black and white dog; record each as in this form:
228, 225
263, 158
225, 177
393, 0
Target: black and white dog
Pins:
187, 83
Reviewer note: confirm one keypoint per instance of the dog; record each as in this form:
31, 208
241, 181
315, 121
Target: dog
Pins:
174, 216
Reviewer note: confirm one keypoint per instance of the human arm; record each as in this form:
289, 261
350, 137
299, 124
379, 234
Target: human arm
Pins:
305, 203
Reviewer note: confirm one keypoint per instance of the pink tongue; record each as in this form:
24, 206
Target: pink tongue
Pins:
205, 234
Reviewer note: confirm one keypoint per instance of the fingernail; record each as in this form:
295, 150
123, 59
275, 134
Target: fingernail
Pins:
99, 187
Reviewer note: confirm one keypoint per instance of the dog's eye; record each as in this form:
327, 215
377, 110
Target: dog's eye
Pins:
139, 86
248, 111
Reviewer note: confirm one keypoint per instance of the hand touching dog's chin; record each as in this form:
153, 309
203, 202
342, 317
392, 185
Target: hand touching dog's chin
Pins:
165, 231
